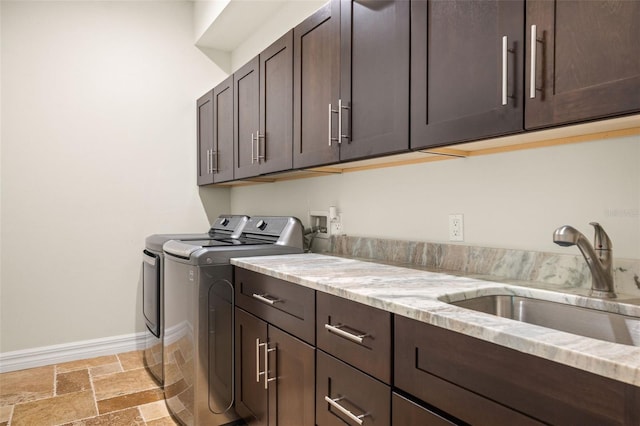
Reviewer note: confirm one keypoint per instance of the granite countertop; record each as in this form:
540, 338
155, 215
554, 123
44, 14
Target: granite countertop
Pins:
421, 295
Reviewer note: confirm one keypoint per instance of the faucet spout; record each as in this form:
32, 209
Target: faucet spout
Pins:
598, 258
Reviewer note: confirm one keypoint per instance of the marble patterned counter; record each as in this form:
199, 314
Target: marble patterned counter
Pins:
422, 295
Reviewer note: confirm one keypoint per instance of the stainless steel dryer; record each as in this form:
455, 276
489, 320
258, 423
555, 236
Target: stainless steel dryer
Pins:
224, 227
199, 321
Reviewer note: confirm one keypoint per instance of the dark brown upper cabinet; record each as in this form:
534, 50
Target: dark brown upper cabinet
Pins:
215, 134
466, 70
205, 138
316, 86
222, 162
246, 119
275, 138
351, 82
583, 61
374, 78
264, 111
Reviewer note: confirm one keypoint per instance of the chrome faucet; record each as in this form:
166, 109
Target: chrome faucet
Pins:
599, 257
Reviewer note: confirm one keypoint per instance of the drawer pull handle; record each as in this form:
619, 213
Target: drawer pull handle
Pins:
337, 329
265, 299
258, 372
334, 403
264, 373
534, 56
505, 48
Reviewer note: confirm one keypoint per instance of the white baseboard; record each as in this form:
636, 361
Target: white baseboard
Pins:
47, 355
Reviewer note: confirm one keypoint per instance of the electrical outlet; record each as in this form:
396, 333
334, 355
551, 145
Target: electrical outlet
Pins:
456, 227
336, 228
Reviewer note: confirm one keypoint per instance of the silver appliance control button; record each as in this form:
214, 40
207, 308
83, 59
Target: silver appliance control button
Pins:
261, 225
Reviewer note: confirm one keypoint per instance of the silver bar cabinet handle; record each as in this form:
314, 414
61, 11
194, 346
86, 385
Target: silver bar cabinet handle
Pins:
335, 329
534, 47
211, 170
258, 373
252, 155
257, 146
263, 298
266, 366
340, 108
208, 164
334, 404
331, 112
339, 121
258, 156
211, 162
504, 69
330, 117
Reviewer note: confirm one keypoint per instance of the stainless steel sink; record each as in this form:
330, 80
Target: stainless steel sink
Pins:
608, 326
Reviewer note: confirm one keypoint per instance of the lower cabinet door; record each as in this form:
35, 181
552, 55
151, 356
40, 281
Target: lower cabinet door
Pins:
345, 395
251, 396
407, 413
275, 375
291, 380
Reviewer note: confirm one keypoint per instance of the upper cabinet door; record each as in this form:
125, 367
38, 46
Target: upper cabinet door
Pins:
205, 138
316, 85
374, 78
275, 143
246, 119
222, 156
466, 70
583, 61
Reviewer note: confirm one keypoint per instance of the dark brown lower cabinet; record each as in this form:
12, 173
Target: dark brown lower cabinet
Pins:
482, 383
408, 413
439, 377
345, 395
275, 374
355, 333
251, 398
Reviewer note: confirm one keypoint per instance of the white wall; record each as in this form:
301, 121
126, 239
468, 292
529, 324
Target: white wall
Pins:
511, 200
98, 151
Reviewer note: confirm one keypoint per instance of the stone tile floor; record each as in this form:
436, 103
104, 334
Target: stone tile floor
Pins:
114, 390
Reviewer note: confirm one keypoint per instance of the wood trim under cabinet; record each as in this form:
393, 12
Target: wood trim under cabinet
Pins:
587, 132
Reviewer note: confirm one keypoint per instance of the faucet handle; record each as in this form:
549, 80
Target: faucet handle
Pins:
601, 240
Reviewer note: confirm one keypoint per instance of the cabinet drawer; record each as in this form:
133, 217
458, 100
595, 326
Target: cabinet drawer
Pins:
352, 394
483, 383
355, 333
407, 412
288, 306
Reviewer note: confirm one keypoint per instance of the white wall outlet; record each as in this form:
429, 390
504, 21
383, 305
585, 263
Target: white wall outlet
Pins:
456, 227
336, 227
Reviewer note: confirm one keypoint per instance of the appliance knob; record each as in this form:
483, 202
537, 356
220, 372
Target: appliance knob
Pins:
224, 221
261, 225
